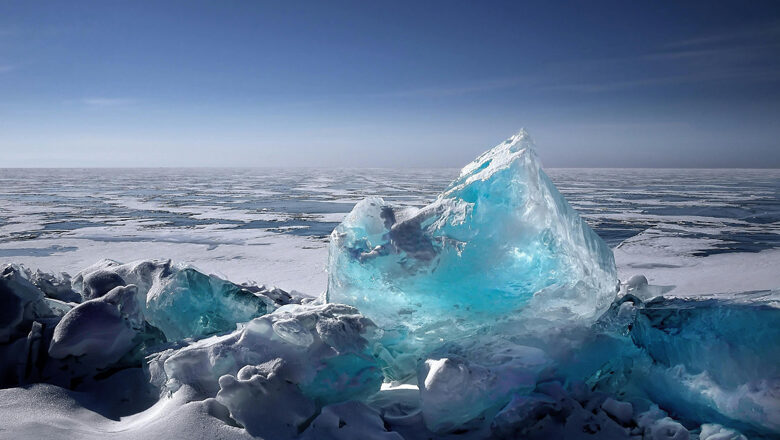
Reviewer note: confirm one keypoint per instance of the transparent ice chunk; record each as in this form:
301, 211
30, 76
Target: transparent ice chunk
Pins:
500, 240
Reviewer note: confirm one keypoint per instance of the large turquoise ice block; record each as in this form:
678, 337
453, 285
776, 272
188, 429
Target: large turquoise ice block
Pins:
499, 241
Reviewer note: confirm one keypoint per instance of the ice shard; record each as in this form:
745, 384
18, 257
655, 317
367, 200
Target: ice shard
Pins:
711, 359
714, 359
179, 300
22, 303
190, 303
498, 241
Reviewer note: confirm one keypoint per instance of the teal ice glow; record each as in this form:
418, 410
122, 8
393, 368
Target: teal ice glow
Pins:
498, 240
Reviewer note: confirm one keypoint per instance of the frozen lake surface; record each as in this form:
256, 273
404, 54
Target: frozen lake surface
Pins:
700, 231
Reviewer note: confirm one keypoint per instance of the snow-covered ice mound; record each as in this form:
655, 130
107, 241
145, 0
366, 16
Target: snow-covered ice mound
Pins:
279, 370
180, 301
493, 312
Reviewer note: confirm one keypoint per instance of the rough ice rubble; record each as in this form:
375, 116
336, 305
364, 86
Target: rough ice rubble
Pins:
259, 393
716, 360
500, 240
298, 363
115, 319
311, 366
349, 421
27, 318
279, 370
325, 349
23, 303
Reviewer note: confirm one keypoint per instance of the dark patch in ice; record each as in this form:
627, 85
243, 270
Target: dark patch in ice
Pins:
299, 227
293, 206
70, 225
36, 252
614, 232
653, 265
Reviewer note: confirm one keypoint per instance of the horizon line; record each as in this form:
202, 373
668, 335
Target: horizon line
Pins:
294, 167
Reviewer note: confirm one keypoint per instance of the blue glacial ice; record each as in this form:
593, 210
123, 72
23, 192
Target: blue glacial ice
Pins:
499, 239
701, 359
716, 360
499, 244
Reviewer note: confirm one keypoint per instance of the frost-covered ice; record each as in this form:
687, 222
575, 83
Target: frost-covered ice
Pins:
493, 312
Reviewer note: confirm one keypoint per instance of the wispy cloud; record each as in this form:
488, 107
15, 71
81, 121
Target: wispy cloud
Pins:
770, 31
5, 68
745, 55
720, 53
746, 74
106, 102
457, 90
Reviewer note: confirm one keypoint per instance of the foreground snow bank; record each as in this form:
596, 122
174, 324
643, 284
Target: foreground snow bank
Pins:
279, 370
654, 368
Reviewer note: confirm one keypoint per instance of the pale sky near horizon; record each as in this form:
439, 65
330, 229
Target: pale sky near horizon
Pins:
388, 84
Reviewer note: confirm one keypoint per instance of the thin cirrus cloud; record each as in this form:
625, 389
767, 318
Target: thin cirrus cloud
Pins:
736, 55
457, 90
769, 31
725, 74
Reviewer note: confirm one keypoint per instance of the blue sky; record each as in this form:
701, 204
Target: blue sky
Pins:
387, 84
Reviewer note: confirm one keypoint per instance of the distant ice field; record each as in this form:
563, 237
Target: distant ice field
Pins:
696, 231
